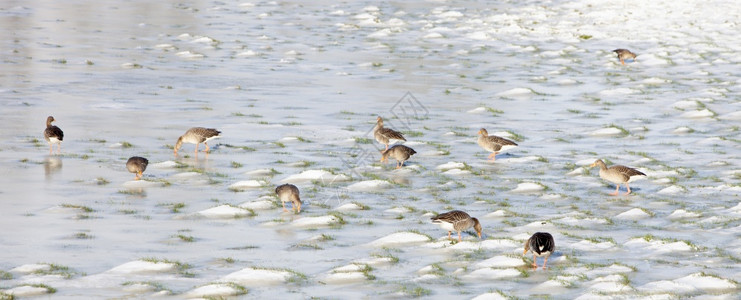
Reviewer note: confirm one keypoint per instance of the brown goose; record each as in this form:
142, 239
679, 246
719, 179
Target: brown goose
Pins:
494, 144
540, 245
197, 135
383, 135
400, 152
624, 54
458, 221
53, 135
617, 174
289, 192
137, 165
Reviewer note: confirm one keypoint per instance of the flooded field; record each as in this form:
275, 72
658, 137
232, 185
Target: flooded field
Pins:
295, 89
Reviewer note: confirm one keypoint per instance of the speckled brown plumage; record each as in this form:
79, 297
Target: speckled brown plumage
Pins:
197, 135
456, 220
137, 165
384, 135
399, 152
493, 143
289, 192
623, 54
617, 174
541, 244
53, 135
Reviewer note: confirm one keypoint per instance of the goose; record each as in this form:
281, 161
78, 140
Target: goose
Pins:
540, 245
617, 174
289, 192
400, 152
53, 135
197, 135
494, 144
457, 220
384, 135
137, 165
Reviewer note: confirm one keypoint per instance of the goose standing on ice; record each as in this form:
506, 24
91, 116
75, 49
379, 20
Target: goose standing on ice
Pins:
384, 135
53, 135
289, 192
494, 144
197, 135
400, 152
623, 54
137, 165
617, 174
541, 244
456, 220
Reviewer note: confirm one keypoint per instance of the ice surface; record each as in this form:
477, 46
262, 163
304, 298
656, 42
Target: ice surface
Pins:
295, 89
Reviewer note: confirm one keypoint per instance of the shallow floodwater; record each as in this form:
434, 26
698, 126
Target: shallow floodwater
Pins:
296, 88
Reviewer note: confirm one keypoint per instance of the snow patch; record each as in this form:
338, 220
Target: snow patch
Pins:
369, 186
224, 212
528, 187
143, 267
400, 239
257, 277
312, 175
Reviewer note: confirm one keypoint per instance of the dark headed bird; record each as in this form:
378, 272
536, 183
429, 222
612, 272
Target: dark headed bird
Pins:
53, 135
541, 244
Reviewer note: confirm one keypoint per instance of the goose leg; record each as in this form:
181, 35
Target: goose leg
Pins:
449, 235
627, 186
284, 206
535, 261
206, 143
493, 156
459, 237
617, 187
545, 262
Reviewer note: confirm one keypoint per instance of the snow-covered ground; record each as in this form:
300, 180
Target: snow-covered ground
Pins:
295, 88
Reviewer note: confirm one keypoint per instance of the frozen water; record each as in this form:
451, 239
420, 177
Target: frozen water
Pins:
295, 88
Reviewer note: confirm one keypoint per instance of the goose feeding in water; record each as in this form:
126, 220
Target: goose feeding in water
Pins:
623, 54
400, 152
289, 192
456, 220
137, 165
197, 135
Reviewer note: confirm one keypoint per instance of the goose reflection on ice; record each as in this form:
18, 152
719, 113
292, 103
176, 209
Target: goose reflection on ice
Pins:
52, 164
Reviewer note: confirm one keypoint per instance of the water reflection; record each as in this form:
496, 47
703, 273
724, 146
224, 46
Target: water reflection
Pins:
134, 193
52, 164
402, 180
